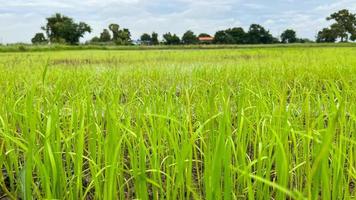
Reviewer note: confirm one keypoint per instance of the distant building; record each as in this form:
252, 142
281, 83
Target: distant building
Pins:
206, 40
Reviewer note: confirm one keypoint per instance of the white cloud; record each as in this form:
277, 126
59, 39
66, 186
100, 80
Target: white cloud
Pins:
254, 6
338, 5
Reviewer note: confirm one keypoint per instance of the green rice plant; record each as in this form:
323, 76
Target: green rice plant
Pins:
251, 123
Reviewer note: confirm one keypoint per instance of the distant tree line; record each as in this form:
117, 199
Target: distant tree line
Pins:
63, 29
118, 36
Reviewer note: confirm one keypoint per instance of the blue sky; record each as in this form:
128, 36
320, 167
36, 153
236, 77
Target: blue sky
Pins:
21, 19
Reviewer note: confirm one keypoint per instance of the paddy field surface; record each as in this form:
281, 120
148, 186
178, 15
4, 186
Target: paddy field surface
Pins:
252, 123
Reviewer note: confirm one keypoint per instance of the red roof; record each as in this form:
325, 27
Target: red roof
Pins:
206, 38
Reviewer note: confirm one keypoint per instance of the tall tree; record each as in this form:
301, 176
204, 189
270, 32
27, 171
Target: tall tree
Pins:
39, 38
120, 36
171, 39
353, 37
326, 35
275, 40
60, 28
222, 37
189, 38
124, 37
105, 36
238, 34
154, 38
146, 39
289, 36
257, 34
345, 24
114, 28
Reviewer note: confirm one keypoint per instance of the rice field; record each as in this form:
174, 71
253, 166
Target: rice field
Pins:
271, 123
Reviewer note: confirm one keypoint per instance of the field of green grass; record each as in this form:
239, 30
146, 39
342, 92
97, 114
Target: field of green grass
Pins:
260, 123
60, 47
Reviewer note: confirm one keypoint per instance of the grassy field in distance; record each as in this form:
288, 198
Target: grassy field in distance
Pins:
251, 123
61, 47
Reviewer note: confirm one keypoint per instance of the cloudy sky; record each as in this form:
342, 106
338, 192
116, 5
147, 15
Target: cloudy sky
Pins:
21, 19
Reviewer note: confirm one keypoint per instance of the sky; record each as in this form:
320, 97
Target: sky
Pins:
21, 19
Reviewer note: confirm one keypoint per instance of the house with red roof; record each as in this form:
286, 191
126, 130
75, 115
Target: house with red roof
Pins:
206, 39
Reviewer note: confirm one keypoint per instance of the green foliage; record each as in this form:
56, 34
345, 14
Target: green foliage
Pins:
22, 48
275, 40
289, 36
326, 35
95, 39
344, 27
154, 39
112, 47
105, 36
62, 29
124, 37
39, 38
238, 34
304, 40
120, 36
353, 37
189, 38
258, 123
146, 39
170, 39
235, 35
114, 28
257, 34
222, 37
204, 35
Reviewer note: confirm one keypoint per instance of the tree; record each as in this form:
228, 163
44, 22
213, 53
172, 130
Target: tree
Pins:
326, 35
189, 38
344, 26
289, 36
120, 37
154, 39
238, 34
114, 28
275, 40
353, 37
124, 37
171, 39
95, 39
235, 35
257, 34
146, 39
222, 37
204, 35
39, 38
105, 36
60, 28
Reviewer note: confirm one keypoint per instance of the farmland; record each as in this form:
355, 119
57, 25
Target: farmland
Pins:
252, 123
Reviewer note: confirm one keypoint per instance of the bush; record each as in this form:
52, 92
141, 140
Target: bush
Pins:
22, 48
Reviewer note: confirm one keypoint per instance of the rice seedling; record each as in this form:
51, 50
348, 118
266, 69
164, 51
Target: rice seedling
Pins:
195, 124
